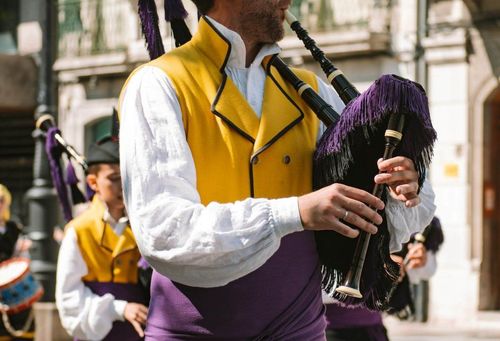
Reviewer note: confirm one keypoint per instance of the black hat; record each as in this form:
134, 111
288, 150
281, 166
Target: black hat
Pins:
105, 150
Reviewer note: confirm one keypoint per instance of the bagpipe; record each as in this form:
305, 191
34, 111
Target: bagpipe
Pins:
55, 147
390, 118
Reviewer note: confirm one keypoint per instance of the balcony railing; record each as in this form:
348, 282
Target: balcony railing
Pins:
92, 27
335, 15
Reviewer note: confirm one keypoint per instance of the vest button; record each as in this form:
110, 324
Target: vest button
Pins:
286, 159
255, 160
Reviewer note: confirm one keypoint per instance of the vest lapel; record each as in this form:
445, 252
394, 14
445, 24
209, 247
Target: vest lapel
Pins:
101, 235
125, 243
279, 112
228, 103
230, 106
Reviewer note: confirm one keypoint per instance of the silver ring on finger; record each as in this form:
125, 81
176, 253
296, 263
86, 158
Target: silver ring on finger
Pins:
346, 214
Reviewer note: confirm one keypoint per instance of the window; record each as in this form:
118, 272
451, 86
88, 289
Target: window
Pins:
9, 19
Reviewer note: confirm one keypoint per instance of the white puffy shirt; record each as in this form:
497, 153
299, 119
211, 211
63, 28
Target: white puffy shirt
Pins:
208, 246
84, 315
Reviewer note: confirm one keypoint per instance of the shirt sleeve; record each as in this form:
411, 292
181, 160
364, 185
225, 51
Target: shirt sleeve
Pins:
193, 244
402, 221
83, 314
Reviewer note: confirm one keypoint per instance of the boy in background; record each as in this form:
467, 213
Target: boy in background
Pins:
97, 291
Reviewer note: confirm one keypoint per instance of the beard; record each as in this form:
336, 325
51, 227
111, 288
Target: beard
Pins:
263, 25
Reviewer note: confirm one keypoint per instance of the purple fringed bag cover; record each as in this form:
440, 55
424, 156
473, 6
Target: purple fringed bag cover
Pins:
347, 153
54, 153
150, 29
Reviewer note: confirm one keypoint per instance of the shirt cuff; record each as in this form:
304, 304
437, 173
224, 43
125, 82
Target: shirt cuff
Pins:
119, 307
285, 216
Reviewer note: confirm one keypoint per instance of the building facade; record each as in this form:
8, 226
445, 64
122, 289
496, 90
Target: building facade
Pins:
452, 47
18, 90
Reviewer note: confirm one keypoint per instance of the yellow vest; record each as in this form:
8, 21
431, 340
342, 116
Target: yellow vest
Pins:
236, 155
109, 258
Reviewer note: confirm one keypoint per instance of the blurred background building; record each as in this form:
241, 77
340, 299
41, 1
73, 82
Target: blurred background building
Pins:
452, 47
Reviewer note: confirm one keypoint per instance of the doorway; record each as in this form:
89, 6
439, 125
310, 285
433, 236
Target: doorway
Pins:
490, 266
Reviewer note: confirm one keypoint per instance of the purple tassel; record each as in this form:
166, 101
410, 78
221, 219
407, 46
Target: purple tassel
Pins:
347, 153
143, 263
174, 9
54, 153
89, 192
175, 13
387, 94
72, 180
150, 29
115, 125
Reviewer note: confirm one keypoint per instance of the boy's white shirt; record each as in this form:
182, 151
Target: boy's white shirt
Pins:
83, 314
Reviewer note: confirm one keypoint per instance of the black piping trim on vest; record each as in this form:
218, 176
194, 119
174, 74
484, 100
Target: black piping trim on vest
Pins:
223, 67
252, 194
288, 127
224, 118
101, 243
223, 84
222, 70
281, 133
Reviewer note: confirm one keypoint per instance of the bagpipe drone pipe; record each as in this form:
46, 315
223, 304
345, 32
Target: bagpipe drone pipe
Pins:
390, 118
55, 147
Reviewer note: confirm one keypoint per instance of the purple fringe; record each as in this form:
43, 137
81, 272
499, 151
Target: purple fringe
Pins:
143, 263
54, 153
150, 29
174, 9
72, 180
347, 153
115, 125
388, 94
89, 192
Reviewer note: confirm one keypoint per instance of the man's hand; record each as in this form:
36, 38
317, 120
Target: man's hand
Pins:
401, 177
331, 206
416, 257
136, 314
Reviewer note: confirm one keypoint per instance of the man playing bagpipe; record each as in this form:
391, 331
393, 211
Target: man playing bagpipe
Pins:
97, 291
216, 159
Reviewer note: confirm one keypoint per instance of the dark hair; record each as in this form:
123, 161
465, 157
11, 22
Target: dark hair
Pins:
203, 5
94, 169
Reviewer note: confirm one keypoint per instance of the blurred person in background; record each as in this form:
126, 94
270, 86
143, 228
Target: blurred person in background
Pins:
98, 290
12, 245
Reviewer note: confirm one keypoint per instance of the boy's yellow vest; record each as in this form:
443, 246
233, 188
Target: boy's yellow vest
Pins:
237, 155
109, 258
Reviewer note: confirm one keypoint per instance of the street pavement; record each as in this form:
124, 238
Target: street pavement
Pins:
443, 331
